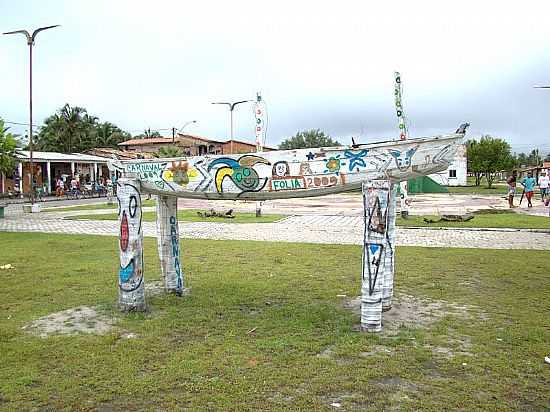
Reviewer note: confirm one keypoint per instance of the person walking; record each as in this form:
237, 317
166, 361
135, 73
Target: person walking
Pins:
528, 183
512, 188
544, 183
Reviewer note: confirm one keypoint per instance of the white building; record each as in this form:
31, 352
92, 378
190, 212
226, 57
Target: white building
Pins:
456, 174
48, 166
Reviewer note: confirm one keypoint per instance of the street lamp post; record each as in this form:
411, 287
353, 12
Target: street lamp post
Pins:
180, 130
231, 107
30, 42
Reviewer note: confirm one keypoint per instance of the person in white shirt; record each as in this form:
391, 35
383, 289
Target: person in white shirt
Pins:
544, 184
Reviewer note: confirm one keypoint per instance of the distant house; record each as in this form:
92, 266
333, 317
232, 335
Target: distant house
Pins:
190, 145
457, 172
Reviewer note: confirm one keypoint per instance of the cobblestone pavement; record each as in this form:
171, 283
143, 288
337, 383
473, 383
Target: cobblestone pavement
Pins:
306, 229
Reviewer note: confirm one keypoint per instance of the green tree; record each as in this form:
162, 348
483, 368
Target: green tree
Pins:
8, 150
547, 158
488, 156
474, 164
169, 151
148, 134
308, 138
73, 129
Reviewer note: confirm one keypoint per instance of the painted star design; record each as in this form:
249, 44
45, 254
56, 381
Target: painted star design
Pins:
310, 156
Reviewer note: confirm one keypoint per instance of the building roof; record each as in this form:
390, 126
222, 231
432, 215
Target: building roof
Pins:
168, 140
60, 157
109, 153
152, 140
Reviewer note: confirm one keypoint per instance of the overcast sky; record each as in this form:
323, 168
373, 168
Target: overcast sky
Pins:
326, 65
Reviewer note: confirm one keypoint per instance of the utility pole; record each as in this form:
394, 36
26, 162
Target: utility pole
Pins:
30, 43
231, 108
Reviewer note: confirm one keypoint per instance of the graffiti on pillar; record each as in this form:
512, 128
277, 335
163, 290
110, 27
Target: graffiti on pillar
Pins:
375, 255
175, 243
130, 238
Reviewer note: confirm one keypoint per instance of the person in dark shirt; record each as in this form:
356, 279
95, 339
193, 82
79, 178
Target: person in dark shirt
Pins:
512, 188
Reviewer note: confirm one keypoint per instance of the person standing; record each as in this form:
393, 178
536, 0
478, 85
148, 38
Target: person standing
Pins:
528, 183
512, 188
544, 183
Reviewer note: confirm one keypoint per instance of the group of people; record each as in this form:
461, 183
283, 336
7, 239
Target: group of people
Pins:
102, 185
529, 183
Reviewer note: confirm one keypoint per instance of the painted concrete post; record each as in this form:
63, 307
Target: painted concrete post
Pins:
389, 268
169, 244
131, 293
375, 203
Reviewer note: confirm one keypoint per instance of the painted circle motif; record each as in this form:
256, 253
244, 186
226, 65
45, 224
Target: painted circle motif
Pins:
132, 207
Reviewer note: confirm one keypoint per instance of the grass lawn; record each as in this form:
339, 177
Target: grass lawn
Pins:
95, 206
497, 190
248, 336
190, 215
483, 219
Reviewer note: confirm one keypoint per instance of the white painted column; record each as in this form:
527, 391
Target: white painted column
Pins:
375, 203
72, 170
403, 188
131, 293
389, 268
169, 244
49, 177
94, 174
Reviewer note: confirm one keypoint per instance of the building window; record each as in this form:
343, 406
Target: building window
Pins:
452, 173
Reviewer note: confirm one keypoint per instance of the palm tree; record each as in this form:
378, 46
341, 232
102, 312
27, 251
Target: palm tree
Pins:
8, 150
169, 151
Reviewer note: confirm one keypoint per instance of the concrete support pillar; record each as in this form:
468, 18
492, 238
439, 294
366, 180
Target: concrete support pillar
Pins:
72, 169
169, 244
403, 188
375, 203
131, 295
94, 173
49, 177
389, 268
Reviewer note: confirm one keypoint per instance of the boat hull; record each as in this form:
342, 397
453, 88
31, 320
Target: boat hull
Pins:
290, 173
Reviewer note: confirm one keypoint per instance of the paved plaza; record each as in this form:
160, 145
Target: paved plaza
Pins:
340, 228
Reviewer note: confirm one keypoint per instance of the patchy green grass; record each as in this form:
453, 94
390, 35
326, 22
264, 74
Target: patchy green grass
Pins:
96, 206
484, 219
496, 190
248, 336
190, 215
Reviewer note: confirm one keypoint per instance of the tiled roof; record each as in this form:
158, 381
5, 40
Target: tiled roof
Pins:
152, 140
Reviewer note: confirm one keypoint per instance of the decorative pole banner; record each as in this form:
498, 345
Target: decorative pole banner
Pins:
260, 126
403, 132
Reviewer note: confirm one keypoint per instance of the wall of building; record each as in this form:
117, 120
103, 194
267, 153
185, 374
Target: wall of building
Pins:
456, 173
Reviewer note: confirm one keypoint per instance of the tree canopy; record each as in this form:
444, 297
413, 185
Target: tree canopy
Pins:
8, 150
308, 138
169, 151
72, 129
148, 134
488, 156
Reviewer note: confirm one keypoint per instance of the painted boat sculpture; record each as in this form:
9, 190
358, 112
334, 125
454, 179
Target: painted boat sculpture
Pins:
292, 173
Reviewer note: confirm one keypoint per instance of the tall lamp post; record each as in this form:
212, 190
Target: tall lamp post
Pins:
180, 130
30, 43
231, 108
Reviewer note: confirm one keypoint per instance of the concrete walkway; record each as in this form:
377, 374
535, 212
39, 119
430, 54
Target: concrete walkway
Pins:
328, 229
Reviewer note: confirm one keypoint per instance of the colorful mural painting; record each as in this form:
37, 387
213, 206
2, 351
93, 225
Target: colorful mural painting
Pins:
376, 197
130, 279
375, 168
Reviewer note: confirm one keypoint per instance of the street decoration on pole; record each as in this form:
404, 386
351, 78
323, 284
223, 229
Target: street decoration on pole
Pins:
403, 134
260, 116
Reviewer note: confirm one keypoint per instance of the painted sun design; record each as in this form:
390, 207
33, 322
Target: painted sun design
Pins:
179, 172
